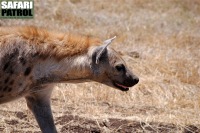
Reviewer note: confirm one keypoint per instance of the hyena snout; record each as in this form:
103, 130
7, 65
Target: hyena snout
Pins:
128, 81
131, 80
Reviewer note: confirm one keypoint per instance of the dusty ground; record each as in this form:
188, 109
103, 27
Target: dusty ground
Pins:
160, 41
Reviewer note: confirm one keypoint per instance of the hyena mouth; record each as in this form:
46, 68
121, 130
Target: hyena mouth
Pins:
121, 87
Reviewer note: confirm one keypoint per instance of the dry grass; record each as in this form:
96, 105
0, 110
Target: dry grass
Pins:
160, 40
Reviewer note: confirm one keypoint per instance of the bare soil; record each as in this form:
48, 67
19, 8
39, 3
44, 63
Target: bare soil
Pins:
70, 123
79, 124
75, 124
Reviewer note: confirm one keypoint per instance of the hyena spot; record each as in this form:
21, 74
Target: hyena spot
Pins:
11, 82
9, 89
22, 60
6, 80
27, 71
5, 88
11, 71
20, 84
6, 66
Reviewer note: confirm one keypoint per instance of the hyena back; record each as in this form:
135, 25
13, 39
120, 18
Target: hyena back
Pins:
32, 60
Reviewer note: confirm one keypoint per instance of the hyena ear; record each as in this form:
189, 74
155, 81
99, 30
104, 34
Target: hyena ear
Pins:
103, 49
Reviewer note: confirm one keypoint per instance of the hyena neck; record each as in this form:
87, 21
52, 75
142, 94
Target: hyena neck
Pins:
70, 69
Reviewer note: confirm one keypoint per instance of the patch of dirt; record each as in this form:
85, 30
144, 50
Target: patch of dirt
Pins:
11, 122
71, 124
21, 115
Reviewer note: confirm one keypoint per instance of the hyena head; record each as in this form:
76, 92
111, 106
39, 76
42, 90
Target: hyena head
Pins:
110, 69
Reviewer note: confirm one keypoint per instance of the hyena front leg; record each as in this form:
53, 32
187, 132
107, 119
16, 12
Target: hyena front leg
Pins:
39, 104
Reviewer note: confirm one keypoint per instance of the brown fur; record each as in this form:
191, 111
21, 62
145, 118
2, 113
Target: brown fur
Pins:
58, 45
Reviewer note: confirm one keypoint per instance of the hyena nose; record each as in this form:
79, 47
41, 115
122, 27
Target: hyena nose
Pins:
131, 81
135, 80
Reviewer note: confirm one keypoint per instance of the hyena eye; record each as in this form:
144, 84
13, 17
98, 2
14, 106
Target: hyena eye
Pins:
120, 67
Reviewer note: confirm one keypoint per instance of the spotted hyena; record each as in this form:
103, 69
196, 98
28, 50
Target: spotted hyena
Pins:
32, 60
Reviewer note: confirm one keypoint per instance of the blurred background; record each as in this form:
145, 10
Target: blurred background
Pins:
159, 40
